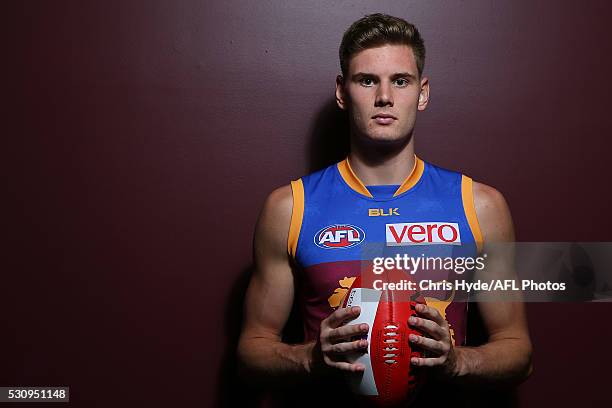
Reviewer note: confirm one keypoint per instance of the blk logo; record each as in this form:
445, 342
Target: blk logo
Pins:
382, 212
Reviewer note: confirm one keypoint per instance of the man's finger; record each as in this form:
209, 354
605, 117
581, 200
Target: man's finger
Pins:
341, 316
430, 313
432, 345
347, 347
428, 326
427, 362
344, 366
346, 332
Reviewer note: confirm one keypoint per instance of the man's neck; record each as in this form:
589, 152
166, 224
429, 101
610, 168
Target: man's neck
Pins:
379, 167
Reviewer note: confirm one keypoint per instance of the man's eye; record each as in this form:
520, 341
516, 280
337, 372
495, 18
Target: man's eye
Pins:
401, 82
366, 81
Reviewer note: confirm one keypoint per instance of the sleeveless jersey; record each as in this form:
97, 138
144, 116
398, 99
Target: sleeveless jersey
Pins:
338, 226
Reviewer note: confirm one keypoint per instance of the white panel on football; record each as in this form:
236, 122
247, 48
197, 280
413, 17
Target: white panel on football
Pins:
368, 300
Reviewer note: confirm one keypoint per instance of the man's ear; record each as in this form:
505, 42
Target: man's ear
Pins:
424, 94
340, 96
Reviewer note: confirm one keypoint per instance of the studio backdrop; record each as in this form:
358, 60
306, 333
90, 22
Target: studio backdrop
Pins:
142, 137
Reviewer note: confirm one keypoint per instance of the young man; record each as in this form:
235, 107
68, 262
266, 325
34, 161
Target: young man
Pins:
382, 88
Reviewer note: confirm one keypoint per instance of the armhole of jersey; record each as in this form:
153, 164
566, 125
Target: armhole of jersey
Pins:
297, 189
467, 196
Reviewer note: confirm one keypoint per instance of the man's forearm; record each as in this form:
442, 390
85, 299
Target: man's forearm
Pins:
503, 362
270, 358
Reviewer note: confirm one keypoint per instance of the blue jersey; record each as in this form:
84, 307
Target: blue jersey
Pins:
338, 225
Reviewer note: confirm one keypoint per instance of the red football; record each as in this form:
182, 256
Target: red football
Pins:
389, 378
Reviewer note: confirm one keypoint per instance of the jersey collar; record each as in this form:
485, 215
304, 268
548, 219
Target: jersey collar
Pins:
349, 176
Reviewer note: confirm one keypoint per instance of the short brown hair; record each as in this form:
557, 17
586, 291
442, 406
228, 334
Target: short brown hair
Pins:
378, 29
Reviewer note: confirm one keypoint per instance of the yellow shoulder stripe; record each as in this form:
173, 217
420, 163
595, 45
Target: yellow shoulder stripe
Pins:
467, 194
297, 188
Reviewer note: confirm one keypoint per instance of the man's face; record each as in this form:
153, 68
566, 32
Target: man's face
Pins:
382, 93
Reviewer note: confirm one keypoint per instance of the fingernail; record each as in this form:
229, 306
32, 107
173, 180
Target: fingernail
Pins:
414, 360
412, 320
355, 309
412, 337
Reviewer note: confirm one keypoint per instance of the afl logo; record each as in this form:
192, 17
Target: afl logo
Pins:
339, 236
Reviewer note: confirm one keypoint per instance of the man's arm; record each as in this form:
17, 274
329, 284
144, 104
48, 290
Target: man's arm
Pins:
269, 297
506, 357
268, 304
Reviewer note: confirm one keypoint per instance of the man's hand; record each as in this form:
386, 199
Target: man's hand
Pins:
439, 343
335, 340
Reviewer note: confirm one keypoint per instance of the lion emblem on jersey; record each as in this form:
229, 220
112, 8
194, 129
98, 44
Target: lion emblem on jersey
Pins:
335, 300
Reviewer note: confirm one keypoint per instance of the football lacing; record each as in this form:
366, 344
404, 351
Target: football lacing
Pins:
390, 334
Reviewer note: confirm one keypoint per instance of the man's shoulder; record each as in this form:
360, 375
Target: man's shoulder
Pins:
485, 196
493, 213
488, 196
442, 174
272, 227
279, 202
278, 206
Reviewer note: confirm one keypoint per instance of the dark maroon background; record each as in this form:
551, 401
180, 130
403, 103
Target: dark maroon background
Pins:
143, 136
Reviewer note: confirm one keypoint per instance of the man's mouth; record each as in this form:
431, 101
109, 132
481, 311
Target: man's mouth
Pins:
384, 118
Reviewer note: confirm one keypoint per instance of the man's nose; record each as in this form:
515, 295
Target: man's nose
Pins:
384, 96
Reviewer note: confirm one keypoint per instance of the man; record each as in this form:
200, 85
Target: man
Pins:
382, 88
